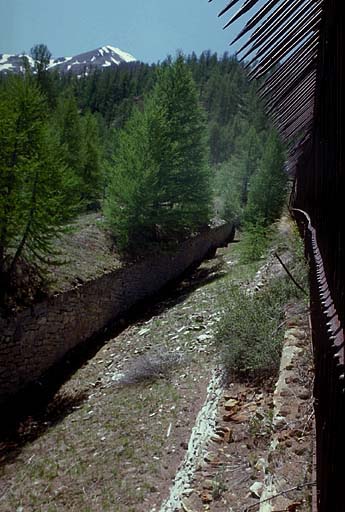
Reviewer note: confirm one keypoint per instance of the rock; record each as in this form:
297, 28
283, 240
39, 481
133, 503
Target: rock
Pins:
229, 396
231, 404
285, 392
225, 433
301, 450
204, 337
217, 439
304, 394
186, 506
143, 331
239, 418
206, 497
208, 485
256, 489
210, 457
188, 491
261, 464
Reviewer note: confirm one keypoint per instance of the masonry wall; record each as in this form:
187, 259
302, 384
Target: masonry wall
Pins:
37, 337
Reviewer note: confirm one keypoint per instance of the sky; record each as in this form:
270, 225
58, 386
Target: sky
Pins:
148, 29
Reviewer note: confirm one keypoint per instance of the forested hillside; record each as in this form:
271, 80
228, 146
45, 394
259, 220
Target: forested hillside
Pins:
160, 149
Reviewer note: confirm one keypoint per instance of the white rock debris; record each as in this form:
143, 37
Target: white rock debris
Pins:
202, 431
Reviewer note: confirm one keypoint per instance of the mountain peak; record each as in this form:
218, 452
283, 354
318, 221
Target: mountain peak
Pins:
102, 57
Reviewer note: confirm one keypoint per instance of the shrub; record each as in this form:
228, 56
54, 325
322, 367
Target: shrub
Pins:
250, 331
254, 243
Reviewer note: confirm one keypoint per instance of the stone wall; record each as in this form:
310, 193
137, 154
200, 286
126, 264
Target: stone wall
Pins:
39, 336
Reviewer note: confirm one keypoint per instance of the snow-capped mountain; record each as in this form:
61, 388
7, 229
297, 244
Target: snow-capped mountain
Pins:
103, 57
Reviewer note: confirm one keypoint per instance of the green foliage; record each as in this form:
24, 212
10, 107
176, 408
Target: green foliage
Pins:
250, 331
70, 129
158, 170
34, 181
254, 242
82, 151
267, 190
184, 166
92, 173
131, 196
160, 186
45, 80
227, 193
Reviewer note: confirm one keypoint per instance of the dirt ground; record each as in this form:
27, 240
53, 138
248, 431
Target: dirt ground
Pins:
114, 434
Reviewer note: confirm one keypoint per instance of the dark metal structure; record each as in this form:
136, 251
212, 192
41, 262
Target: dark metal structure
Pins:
297, 46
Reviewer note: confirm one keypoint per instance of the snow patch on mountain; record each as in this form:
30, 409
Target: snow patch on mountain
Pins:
127, 57
103, 57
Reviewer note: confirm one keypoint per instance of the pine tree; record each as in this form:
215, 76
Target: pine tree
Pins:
131, 201
186, 174
160, 188
34, 182
91, 173
267, 189
70, 128
45, 80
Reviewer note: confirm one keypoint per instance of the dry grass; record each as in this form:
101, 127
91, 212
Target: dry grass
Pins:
87, 251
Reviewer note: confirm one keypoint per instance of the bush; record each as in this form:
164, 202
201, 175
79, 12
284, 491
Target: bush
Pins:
254, 243
251, 329
248, 333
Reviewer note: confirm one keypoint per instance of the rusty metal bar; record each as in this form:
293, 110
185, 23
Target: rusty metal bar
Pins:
278, 86
294, 113
304, 88
282, 14
280, 101
290, 88
275, 56
228, 6
297, 30
298, 115
301, 125
294, 110
303, 55
256, 18
279, 33
308, 46
283, 114
335, 330
245, 8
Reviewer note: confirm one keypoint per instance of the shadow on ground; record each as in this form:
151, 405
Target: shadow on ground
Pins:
40, 406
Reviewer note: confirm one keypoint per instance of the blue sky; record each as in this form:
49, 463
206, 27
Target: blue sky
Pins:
148, 29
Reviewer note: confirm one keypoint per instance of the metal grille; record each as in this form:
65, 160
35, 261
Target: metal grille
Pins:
297, 48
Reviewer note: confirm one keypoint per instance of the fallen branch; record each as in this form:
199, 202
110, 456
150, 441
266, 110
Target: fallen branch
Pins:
295, 488
289, 274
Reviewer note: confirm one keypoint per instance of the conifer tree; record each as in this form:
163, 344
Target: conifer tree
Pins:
131, 200
267, 189
45, 80
91, 173
160, 187
186, 174
71, 132
34, 181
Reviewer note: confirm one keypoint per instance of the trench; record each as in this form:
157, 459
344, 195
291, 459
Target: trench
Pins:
45, 449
